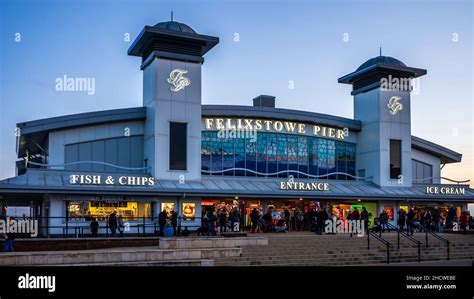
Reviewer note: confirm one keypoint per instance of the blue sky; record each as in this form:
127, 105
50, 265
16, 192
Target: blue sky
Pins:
279, 41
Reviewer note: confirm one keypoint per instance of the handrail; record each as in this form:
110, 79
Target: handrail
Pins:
380, 239
432, 233
410, 238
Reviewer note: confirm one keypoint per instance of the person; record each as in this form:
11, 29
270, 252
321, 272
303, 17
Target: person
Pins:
286, 214
121, 225
384, 220
268, 219
436, 220
464, 220
234, 219
162, 221
355, 214
364, 216
299, 219
349, 218
254, 217
401, 219
410, 221
450, 217
223, 220
174, 221
9, 239
94, 227
321, 220
113, 223
211, 218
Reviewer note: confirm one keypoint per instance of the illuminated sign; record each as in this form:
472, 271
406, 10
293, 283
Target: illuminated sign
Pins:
92, 179
303, 186
178, 80
394, 105
445, 190
249, 124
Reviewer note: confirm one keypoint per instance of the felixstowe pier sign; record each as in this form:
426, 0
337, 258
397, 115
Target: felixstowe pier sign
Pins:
250, 124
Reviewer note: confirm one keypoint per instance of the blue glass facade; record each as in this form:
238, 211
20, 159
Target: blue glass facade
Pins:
276, 155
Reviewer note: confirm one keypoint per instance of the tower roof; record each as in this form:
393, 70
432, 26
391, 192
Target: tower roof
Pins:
381, 60
173, 40
175, 26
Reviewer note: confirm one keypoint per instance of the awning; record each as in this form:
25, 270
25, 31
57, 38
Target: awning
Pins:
54, 181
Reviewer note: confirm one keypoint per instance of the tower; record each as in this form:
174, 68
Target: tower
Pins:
172, 56
381, 89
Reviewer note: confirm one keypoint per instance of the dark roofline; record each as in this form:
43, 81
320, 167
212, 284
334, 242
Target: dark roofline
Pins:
357, 75
445, 154
82, 119
279, 113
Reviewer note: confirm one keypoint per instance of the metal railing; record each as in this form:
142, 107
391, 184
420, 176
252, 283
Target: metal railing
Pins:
429, 231
381, 240
406, 236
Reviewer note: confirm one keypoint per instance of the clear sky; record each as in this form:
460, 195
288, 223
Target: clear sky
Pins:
311, 43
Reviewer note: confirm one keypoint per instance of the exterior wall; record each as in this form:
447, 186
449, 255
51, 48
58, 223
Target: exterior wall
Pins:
431, 160
378, 127
165, 106
59, 139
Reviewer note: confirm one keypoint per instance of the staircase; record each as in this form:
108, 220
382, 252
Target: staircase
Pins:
308, 249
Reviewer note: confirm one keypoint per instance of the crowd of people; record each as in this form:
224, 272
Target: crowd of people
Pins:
314, 219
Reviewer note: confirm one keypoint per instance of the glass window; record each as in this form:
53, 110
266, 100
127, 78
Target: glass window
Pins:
282, 155
228, 161
303, 155
239, 150
88, 210
262, 152
322, 156
272, 152
178, 146
206, 150
216, 153
250, 156
395, 158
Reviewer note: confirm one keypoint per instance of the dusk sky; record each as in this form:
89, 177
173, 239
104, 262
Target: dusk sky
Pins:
263, 46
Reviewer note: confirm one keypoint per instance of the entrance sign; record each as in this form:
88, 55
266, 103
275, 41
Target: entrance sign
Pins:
445, 190
302, 186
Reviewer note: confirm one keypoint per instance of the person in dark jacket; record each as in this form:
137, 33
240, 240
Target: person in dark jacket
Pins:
254, 217
235, 219
322, 216
162, 221
299, 218
401, 219
121, 225
223, 220
364, 216
113, 223
94, 227
9, 239
384, 220
174, 221
355, 214
410, 222
287, 214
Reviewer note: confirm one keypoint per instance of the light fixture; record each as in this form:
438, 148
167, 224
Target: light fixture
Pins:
236, 197
301, 198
